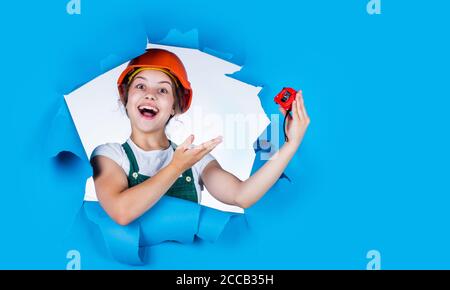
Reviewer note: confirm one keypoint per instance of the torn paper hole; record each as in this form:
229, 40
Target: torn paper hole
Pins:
221, 106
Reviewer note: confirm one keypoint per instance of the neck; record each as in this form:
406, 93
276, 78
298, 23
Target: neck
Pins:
150, 141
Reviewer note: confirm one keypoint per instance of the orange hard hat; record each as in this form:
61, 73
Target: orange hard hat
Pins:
159, 59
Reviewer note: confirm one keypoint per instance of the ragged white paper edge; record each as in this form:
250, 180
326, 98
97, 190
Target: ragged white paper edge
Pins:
217, 99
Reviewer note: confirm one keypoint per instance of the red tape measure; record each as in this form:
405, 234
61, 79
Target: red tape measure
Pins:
285, 98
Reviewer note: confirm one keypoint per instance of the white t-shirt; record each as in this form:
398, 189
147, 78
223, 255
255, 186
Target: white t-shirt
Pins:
149, 162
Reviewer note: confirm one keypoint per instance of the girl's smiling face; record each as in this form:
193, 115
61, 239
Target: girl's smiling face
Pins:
150, 101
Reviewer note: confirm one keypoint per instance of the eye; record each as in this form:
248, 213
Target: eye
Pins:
140, 87
163, 91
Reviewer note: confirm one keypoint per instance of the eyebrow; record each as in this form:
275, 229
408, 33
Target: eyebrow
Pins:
161, 82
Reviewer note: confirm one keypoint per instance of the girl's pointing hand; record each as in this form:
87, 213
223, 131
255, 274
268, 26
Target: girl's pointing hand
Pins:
186, 155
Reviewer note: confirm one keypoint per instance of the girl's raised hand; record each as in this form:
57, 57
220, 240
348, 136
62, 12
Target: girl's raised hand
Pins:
186, 155
298, 122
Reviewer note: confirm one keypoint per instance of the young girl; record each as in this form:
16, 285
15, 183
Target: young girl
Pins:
131, 177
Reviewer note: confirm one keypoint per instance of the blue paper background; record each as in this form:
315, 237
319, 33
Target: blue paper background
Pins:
372, 172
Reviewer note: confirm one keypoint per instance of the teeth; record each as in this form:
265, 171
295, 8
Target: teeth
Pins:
148, 108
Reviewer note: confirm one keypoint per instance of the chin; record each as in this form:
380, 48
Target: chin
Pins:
148, 127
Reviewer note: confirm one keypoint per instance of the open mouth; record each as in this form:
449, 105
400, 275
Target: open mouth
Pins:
148, 112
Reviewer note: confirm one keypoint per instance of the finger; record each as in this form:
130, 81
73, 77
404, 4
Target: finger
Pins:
295, 114
208, 148
305, 113
282, 110
301, 115
206, 151
205, 145
210, 144
302, 109
188, 142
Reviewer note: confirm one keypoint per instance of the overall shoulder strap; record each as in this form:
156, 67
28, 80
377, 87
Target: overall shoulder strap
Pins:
174, 146
133, 163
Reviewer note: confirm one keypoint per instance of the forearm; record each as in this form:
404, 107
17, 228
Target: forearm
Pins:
252, 189
136, 200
